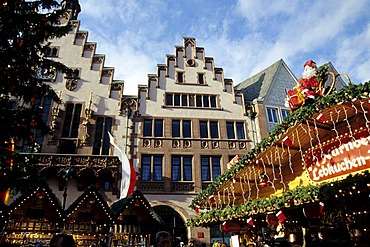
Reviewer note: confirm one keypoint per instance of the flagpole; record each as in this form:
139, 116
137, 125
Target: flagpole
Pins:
128, 111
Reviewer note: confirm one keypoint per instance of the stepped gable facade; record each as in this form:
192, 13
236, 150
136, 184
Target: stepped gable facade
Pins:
190, 123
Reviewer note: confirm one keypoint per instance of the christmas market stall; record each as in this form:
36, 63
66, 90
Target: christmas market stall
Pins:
89, 219
33, 217
307, 183
136, 222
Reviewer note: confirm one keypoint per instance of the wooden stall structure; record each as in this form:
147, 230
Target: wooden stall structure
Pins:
89, 219
136, 222
33, 217
306, 183
36, 216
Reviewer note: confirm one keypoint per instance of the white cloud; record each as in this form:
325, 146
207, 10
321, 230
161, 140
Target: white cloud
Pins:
243, 36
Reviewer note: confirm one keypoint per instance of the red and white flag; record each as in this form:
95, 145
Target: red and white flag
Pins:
128, 179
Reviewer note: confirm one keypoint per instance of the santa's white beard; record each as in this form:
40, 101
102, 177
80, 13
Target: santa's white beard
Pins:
309, 72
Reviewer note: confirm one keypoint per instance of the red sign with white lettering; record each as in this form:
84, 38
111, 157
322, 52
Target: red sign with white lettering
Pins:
340, 157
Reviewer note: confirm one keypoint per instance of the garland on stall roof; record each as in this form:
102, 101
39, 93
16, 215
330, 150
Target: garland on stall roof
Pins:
349, 93
353, 184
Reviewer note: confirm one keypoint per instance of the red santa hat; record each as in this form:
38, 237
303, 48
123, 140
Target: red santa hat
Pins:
309, 63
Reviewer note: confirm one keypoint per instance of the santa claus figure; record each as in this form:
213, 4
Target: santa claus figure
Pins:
308, 83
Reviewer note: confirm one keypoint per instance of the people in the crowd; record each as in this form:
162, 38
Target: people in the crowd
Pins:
62, 240
163, 239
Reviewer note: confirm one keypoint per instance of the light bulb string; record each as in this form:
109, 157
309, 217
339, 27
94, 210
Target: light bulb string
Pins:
365, 116
348, 124
335, 127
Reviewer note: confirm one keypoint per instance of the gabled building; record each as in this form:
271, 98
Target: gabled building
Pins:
180, 131
264, 96
190, 124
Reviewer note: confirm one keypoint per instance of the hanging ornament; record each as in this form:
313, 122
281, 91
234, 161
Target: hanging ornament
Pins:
321, 208
40, 194
281, 216
321, 118
263, 180
197, 209
250, 221
287, 141
212, 199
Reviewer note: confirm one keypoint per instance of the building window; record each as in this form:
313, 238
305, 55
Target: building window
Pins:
158, 128
101, 141
150, 162
201, 79
106, 185
181, 168
169, 100
176, 101
147, 127
235, 127
213, 101
203, 126
52, 51
240, 131
198, 100
180, 77
146, 168
214, 129
190, 100
71, 120
205, 101
230, 130
157, 170
284, 113
38, 134
175, 128
210, 167
184, 100
212, 126
186, 128
272, 114
73, 73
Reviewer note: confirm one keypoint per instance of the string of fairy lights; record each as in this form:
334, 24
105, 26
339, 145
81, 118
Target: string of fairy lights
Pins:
81, 231
340, 112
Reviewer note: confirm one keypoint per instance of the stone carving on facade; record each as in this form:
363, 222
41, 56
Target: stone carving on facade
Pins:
187, 144
71, 84
204, 144
54, 121
86, 122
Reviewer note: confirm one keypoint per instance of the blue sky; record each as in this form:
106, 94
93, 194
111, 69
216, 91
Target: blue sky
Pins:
243, 36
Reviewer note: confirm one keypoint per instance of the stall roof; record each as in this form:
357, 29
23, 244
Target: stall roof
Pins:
118, 206
281, 155
40, 198
90, 205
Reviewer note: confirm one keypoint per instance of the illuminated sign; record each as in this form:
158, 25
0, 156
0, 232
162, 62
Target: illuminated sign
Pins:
338, 158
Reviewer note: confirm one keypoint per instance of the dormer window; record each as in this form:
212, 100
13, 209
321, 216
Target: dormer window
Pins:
180, 77
191, 100
73, 73
52, 52
201, 80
